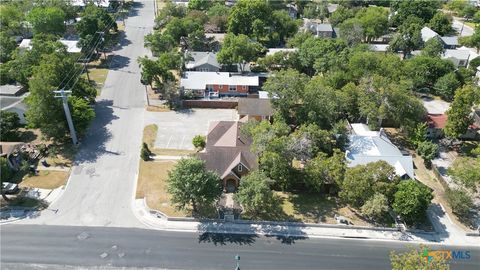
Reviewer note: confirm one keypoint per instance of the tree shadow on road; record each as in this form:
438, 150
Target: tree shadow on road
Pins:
222, 233
98, 135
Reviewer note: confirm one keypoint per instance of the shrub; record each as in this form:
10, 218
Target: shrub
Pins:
145, 152
412, 200
376, 207
459, 200
199, 142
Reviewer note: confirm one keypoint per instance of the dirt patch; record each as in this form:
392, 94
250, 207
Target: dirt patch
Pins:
428, 178
45, 180
150, 134
155, 108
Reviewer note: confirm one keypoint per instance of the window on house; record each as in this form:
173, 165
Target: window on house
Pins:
461, 63
232, 88
240, 167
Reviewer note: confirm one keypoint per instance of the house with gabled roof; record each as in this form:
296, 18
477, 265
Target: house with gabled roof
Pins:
202, 61
227, 152
366, 146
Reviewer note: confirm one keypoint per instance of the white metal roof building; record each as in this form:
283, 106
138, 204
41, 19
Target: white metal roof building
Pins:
71, 45
272, 51
368, 146
197, 80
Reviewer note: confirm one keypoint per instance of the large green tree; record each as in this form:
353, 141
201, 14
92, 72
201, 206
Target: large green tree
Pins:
441, 23
324, 170
45, 111
464, 171
408, 37
286, 88
424, 10
412, 200
9, 124
459, 112
433, 48
8, 45
424, 71
255, 194
447, 85
94, 28
363, 181
47, 20
238, 50
374, 21
190, 184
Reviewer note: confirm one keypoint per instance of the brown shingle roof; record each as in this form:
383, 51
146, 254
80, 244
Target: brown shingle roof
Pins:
226, 148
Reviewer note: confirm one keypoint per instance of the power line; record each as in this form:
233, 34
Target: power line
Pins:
93, 47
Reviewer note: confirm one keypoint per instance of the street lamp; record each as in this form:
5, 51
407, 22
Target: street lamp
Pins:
237, 258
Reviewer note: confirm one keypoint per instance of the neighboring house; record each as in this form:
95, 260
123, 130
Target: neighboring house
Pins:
272, 51
219, 84
318, 29
435, 125
10, 100
460, 57
449, 42
227, 153
11, 151
428, 33
202, 61
256, 108
366, 146
11, 90
70, 44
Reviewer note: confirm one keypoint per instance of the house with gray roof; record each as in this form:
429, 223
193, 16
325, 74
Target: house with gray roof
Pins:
318, 29
227, 152
449, 42
366, 146
428, 34
460, 57
256, 108
202, 61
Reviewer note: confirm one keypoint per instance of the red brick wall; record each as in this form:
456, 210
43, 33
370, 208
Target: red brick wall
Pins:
215, 104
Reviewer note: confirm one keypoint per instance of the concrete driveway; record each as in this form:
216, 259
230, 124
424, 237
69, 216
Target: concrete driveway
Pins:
177, 129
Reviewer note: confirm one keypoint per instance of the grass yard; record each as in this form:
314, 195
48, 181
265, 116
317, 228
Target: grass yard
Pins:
46, 180
150, 134
428, 178
152, 186
98, 76
172, 152
311, 208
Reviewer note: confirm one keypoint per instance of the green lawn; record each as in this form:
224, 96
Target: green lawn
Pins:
98, 76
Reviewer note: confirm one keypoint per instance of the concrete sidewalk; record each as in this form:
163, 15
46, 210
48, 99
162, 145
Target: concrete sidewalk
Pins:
156, 221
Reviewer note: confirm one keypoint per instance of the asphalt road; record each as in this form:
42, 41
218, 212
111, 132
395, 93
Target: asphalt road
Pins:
32, 247
464, 29
102, 184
